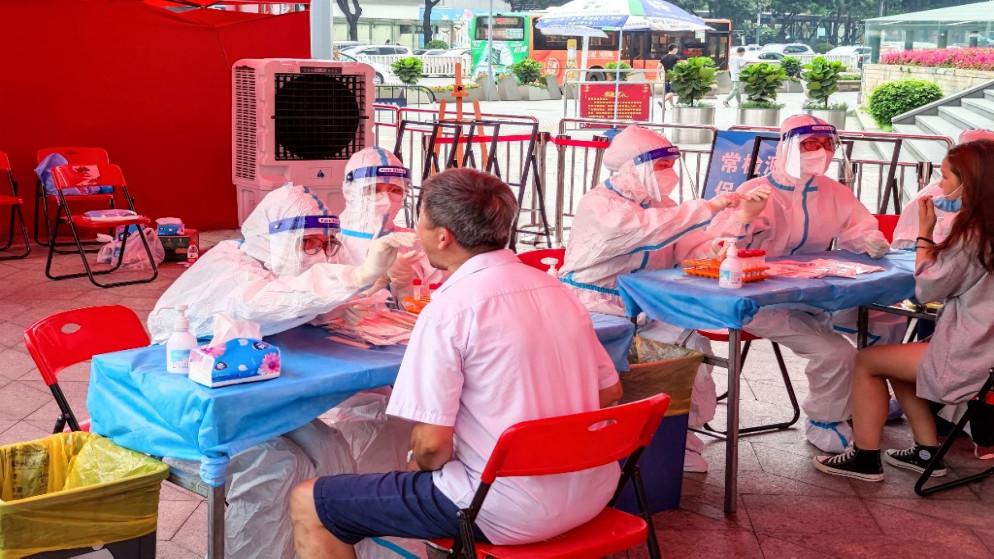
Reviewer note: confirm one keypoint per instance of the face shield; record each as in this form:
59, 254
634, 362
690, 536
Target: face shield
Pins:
297, 243
374, 196
658, 171
808, 151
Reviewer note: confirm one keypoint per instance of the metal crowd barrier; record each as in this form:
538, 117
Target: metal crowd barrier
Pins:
884, 176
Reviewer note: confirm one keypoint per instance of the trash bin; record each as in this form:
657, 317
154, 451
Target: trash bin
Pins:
70, 494
658, 367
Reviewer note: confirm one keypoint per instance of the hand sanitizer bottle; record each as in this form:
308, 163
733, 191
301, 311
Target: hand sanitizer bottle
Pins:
192, 253
551, 263
179, 344
730, 272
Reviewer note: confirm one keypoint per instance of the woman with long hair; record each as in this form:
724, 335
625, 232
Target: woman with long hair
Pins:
952, 365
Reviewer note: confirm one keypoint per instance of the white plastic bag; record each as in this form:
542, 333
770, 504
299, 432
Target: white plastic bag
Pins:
135, 257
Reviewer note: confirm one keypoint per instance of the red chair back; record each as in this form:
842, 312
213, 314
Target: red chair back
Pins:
887, 223
77, 155
71, 337
81, 176
534, 258
575, 442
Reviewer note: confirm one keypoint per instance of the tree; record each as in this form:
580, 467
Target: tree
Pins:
352, 17
426, 20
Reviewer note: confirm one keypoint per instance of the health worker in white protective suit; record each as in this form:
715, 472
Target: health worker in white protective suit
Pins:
947, 203
279, 277
806, 212
375, 187
628, 223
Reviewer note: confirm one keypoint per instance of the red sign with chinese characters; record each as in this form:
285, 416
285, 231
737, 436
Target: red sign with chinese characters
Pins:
597, 101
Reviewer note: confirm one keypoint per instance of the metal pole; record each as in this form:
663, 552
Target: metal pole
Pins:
759, 22
617, 72
321, 30
490, 50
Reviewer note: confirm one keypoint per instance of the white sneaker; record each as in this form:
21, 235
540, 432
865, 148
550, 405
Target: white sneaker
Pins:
832, 437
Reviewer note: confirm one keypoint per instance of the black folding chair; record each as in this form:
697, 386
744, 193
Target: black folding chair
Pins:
984, 398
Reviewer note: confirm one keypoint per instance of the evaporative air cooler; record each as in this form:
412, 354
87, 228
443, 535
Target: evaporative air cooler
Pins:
297, 121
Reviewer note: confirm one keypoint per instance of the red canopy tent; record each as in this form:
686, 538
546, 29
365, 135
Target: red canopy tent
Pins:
149, 84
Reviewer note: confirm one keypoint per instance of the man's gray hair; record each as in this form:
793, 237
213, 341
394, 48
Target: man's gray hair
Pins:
478, 208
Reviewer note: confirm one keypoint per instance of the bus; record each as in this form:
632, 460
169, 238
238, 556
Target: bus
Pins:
517, 38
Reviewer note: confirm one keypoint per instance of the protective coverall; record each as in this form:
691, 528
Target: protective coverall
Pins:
805, 213
628, 224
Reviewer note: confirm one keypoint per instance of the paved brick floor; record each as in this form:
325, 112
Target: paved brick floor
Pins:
786, 508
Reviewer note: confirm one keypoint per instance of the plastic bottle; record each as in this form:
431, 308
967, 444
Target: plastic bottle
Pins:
730, 272
179, 344
418, 289
192, 253
551, 263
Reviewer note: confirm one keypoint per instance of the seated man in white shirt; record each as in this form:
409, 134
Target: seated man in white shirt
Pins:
500, 343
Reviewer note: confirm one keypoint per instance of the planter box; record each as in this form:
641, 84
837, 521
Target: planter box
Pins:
849, 85
693, 115
485, 83
507, 89
833, 117
533, 93
724, 83
791, 87
951, 80
758, 117
552, 87
571, 91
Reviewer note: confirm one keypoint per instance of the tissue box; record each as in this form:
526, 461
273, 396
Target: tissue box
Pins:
175, 246
237, 361
170, 229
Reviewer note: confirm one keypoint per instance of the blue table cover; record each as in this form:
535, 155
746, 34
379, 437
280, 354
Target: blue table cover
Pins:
135, 402
696, 302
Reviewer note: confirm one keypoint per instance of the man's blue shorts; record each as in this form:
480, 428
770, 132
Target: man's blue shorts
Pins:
402, 504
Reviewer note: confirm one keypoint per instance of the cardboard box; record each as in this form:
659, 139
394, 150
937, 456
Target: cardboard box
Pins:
177, 245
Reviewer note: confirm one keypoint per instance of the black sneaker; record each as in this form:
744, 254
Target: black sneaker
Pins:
854, 463
915, 458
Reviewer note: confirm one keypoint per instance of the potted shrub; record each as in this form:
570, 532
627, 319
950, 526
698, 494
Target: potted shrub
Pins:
408, 69
760, 82
436, 44
617, 71
691, 80
528, 72
792, 66
822, 81
891, 99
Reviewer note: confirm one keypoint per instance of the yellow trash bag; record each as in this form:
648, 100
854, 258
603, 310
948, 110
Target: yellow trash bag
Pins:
657, 367
73, 490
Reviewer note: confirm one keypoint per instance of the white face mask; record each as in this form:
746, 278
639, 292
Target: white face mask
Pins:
814, 162
666, 180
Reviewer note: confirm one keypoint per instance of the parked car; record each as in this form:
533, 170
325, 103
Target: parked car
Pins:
754, 56
346, 45
752, 47
379, 50
383, 74
792, 48
435, 52
859, 53
456, 52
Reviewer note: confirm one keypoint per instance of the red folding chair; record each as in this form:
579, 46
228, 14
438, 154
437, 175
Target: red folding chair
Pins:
43, 200
565, 444
72, 337
534, 258
14, 203
78, 176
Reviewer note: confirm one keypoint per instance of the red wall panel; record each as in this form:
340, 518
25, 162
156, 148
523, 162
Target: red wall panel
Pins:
151, 86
